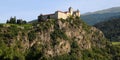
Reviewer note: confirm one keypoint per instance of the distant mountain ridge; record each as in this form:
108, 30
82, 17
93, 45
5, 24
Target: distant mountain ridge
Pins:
94, 17
113, 10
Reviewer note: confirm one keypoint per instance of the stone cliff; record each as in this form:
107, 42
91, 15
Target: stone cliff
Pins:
53, 38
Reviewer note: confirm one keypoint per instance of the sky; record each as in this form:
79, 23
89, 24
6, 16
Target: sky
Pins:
29, 9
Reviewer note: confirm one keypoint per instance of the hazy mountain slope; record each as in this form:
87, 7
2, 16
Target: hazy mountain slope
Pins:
69, 39
98, 16
33, 21
110, 28
112, 10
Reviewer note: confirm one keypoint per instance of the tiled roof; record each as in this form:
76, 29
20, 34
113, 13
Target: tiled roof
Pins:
58, 11
63, 12
48, 14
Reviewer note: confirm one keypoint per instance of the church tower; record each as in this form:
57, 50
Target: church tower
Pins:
70, 10
78, 13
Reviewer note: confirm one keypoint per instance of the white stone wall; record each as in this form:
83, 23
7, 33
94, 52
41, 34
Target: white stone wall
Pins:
78, 14
62, 15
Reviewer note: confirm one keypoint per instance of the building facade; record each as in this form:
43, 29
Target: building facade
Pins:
60, 15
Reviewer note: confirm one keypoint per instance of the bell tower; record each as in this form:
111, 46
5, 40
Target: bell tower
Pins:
70, 10
78, 13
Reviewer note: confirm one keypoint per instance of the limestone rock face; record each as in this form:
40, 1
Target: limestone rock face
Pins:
58, 37
73, 30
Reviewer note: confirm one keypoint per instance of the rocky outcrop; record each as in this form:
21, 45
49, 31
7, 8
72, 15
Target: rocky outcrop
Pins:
57, 37
73, 30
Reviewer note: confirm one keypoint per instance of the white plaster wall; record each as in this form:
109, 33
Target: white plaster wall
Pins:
62, 15
78, 14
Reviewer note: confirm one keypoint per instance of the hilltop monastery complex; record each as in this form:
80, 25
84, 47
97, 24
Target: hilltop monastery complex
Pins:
60, 15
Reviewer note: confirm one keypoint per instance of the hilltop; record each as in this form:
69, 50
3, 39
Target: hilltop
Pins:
64, 39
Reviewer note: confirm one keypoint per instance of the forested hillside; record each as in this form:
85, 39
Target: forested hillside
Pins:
69, 39
111, 28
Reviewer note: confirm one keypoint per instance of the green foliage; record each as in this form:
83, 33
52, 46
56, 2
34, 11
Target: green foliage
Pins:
34, 53
26, 26
15, 46
58, 33
40, 18
31, 36
86, 27
110, 28
74, 44
20, 21
1, 25
43, 26
89, 54
13, 20
116, 43
95, 53
65, 57
9, 53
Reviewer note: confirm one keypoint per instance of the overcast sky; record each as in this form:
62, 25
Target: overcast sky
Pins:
30, 9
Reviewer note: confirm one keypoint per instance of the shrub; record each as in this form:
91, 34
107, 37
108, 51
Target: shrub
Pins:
1, 25
31, 36
58, 33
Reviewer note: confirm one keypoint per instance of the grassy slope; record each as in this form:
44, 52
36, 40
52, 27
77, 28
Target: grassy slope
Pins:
116, 43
